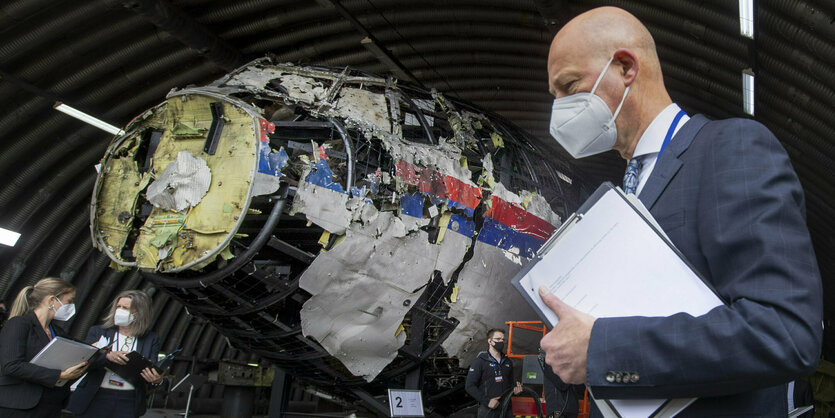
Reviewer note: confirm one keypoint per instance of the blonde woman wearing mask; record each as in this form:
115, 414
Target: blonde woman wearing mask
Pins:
28, 390
127, 327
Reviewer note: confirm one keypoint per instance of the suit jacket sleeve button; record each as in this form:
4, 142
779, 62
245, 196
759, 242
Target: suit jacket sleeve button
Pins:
618, 377
610, 377
634, 378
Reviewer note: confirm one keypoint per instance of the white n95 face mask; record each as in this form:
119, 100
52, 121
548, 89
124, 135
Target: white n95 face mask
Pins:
583, 124
65, 312
123, 318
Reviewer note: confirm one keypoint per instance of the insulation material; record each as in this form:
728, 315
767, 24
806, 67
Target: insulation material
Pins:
303, 89
360, 289
255, 77
183, 183
364, 106
485, 300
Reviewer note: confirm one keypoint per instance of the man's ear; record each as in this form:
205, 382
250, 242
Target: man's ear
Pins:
629, 64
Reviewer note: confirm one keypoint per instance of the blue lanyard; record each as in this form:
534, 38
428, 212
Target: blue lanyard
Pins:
132, 346
670, 133
52, 331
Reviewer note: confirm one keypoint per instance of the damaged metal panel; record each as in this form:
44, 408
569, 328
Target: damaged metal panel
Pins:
484, 300
120, 185
200, 197
363, 287
322, 201
510, 236
382, 251
412, 211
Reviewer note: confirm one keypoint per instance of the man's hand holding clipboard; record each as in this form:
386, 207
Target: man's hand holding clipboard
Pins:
566, 345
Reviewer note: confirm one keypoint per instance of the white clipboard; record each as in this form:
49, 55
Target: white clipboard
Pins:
609, 251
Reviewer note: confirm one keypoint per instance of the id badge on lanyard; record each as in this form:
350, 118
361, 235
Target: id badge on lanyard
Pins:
497, 370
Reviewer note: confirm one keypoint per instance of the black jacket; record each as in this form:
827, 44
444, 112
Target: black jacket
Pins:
147, 345
21, 383
488, 379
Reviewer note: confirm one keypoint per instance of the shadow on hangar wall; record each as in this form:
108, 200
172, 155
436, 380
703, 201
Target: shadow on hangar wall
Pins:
116, 58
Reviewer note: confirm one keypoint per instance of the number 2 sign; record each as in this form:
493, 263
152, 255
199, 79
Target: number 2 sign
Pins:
405, 403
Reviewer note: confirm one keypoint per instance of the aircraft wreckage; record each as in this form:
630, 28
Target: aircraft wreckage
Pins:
346, 227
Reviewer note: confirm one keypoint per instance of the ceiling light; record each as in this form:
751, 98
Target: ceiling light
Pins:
8, 237
748, 91
746, 18
98, 123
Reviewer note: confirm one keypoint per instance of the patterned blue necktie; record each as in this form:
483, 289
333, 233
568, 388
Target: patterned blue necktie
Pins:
630, 179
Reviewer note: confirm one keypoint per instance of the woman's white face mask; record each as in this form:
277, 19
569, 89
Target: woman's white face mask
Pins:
65, 312
123, 317
583, 124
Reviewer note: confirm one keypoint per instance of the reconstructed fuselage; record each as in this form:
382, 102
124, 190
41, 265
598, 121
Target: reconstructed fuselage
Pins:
341, 225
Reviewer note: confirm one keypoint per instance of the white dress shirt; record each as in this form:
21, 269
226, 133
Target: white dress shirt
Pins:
112, 380
652, 139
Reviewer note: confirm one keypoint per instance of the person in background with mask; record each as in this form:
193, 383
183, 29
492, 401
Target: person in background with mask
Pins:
727, 196
28, 390
126, 327
491, 375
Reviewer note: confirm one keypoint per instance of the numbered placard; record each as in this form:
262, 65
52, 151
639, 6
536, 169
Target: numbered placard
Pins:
405, 403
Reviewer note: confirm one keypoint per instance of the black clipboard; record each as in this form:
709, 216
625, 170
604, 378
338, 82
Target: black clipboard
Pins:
131, 371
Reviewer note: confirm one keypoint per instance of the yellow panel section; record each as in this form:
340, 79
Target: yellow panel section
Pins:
159, 233
207, 224
183, 238
121, 182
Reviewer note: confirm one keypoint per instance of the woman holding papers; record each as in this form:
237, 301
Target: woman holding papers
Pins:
126, 328
26, 389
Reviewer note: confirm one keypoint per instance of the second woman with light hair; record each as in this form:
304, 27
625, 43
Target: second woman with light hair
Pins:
127, 327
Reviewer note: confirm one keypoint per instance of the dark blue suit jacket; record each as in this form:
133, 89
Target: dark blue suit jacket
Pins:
727, 196
147, 345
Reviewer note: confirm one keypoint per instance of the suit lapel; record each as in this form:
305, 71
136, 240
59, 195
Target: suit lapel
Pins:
43, 339
140, 346
669, 163
110, 334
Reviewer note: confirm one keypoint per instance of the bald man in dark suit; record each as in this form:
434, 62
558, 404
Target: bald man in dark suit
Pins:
727, 196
